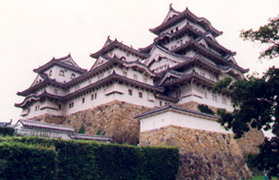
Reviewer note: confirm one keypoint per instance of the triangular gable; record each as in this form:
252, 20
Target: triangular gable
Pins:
160, 56
37, 80
203, 43
101, 60
169, 76
170, 14
68, 60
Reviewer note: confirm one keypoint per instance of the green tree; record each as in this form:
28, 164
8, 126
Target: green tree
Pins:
205, 109
256, 100
267, 34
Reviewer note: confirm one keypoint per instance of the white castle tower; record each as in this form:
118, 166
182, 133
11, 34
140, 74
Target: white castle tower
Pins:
149, 95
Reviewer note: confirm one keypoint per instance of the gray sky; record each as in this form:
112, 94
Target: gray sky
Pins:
33, 31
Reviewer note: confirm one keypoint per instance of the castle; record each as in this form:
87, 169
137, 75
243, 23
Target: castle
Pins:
160, 86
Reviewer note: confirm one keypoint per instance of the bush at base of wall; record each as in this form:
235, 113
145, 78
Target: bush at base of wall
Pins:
21, 161
87, 160
7, 131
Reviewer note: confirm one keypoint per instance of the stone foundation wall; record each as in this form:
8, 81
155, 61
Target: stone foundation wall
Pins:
49, 119
114, 119
203, 155
194, 106
250, 142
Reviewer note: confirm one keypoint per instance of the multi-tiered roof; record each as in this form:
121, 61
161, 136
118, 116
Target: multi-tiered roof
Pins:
184, 49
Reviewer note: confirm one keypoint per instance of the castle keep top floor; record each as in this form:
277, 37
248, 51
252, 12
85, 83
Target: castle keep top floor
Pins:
180, 66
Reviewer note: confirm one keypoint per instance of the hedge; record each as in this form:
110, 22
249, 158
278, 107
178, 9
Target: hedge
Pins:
91, 160
25, 162
7, 131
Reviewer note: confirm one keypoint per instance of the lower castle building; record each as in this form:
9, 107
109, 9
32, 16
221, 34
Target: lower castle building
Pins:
150, 95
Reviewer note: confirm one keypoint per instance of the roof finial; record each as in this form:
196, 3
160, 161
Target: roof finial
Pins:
108, 37
171, 6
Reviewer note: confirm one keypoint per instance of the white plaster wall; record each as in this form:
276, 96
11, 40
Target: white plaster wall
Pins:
102, 75
197, 26
41, 132
55, 91
120, 53
167, 118
205, 73
42, 110
103, 97
182, 24
207, 100
63, 79
176, 43
179, 25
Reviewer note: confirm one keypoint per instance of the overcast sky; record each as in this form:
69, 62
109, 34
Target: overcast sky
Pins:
34, 31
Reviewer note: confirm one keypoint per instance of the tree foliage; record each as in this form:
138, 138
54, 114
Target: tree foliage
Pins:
205, 109
267, 34
256, 100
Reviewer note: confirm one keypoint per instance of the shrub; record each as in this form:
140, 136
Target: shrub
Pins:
91, 160
25, 162
7, 131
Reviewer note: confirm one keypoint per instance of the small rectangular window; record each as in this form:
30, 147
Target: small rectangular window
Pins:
95, 95
145, 80
140, 94
83, 100
214, 97
224, 101
92, 96
135, 77
71, 104
130, 92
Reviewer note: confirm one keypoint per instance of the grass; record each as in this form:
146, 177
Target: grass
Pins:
261, 178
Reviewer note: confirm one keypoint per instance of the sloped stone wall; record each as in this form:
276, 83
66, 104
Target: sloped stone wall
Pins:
203, 154
50, 119
250, 142
114, 119
192, 105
